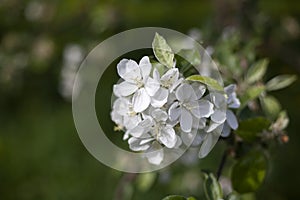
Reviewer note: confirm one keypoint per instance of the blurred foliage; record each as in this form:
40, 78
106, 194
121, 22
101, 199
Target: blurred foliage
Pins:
42, 44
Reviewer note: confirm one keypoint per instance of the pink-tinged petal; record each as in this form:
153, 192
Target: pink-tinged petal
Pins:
141, 100
186, 120
124, 89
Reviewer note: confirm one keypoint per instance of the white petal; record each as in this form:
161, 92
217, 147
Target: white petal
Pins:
218, 116
124, 89
199, 123
201, 134
122, 68
186, 120
206, 108
174, 86
141, 100
116, 117
134, 144
230, 89
155, 157
187, 138
155, 153
231, 120
129, 70
194, 108
160, 98
212, 126
145, 66
174, 111
151, 86
156, 75
137, 131
121, 106
168, 136
131, 121
144, 141
184, 92
209, 142
178, 142
226, 130
199, 89
218, 100
159, 115
170, 77
234, 103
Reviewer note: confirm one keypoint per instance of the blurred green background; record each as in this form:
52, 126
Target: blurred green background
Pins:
43, 42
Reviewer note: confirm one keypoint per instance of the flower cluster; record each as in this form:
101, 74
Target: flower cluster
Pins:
160, 109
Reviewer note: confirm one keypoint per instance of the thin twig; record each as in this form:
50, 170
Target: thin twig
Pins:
222, 164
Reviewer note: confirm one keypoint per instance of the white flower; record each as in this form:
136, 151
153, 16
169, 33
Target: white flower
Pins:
189, 107
232, 102
221, 116
155, 127
124, 115
137, 82
168, 82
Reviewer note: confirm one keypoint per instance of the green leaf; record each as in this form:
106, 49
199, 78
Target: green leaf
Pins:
257, 71
270, 106
160, 67
250, 129
280, 82
174, 197
251, 94
211, 83
249, 172
190, 55
163, 51
212, 188
145, 181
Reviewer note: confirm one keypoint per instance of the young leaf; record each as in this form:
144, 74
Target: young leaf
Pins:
211, 83
249, 172
270, 106
174, 197
212, 188
280, 82
163, 51
251, 94
249, 129
257, 71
